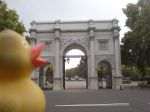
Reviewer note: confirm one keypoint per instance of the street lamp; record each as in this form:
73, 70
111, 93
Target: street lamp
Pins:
68, 60
101, 68
83, 59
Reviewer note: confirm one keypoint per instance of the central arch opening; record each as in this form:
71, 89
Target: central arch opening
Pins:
75, 73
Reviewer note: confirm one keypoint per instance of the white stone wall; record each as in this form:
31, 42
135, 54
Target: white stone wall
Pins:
98, 39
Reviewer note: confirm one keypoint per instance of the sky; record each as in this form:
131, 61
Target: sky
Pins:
51, 10
73, 61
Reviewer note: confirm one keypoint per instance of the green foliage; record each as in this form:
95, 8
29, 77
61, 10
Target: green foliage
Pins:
80, 70
130, 72
71, 72
28, 39
9, 19
48, 66
135, 50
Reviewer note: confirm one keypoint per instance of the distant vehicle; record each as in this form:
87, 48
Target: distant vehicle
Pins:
66, 78
102, 83
80, 79
76, 77
126, 81
72, 79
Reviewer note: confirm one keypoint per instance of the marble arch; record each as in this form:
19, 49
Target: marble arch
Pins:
99, 39
74, 45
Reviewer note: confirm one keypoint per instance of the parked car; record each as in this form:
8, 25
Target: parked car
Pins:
66, 78
102, 83
81, 79
72, 79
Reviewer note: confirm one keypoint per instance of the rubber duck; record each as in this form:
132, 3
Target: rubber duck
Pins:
18, 93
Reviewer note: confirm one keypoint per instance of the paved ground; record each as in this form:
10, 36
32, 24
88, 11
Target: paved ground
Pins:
135, 100
75, 84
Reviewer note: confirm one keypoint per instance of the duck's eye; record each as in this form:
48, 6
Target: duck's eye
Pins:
24, 44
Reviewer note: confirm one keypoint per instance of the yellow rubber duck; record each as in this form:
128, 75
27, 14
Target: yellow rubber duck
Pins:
18, 93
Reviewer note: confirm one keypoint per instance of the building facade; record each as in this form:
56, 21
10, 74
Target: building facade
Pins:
98, 39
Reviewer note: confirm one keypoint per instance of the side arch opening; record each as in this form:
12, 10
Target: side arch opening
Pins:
46, 76
104, 72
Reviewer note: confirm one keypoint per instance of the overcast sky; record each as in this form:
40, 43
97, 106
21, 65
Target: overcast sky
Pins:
51, 10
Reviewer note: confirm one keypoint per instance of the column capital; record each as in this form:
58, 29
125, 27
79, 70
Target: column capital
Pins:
57, 34
115, 24
116, 34
57, 39
91, 34
33, 36
33, 39
91, 23
57, 29
91, 38
115, 28
118, 76
57, 25
91, 29
33, 25
116, 38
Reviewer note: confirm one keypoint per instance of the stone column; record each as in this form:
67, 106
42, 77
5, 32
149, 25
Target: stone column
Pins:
118, 75
113, 77
57, 78
92, 78
41, 77
33, 39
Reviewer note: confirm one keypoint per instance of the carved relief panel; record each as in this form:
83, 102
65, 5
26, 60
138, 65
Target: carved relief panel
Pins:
84, 41
103, 44
48, 45
51, 60
74, 37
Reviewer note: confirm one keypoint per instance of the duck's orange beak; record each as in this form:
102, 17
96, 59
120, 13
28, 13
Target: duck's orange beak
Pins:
36, 60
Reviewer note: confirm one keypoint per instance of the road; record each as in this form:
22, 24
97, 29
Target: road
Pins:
135, 100
75, 84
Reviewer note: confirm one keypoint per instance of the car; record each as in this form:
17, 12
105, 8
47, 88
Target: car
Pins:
72, 79
102, 83
80, 79
66, 78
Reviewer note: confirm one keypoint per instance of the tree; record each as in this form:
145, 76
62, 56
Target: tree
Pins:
135, 50
83, 68
28, 39
131, 73
80, 70
9, 19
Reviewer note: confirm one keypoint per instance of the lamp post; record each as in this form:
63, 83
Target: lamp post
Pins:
68, 60
100, 72
64, 74
84, 61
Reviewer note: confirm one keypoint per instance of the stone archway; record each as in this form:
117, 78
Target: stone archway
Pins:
78, 46
99, 38
46, 76
104, 72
